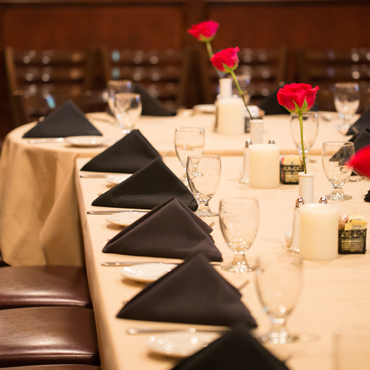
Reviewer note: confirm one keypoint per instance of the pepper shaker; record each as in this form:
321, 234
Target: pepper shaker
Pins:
245, 176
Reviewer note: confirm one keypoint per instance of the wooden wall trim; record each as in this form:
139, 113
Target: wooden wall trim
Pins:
168, 2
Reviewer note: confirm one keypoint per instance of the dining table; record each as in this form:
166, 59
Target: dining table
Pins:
39, 220
334, 292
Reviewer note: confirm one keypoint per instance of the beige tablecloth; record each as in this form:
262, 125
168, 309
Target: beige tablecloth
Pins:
38, 215
334, 292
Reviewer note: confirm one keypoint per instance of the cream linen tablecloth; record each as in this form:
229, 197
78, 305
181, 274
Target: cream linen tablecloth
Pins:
38, 216
334, 292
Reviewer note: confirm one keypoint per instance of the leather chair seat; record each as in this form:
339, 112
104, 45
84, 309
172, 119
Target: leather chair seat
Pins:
30, 286
48, 335
54, 367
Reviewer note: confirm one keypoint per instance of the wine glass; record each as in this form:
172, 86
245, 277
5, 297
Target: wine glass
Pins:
239, 220
335, 155
118, 86
188, 141
204, 175
346, 100
279, 283
352, 346
127, 110
310, 129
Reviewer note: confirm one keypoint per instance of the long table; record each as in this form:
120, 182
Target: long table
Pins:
37, 190
334, 292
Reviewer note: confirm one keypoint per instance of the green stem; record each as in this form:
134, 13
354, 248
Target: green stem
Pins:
302, 144
240, 92
209, 49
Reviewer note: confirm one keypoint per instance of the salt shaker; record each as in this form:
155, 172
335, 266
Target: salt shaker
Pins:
294, 241
245, 176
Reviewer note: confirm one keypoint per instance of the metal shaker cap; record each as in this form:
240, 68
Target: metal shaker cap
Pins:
271, 141
323, 200
247, 143
299, 202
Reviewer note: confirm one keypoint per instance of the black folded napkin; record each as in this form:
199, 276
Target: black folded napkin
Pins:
362, 123
128, 155
170, 230
147, 188
361, 139
236, 350
151, 106
66, 120
192, 293
367, 197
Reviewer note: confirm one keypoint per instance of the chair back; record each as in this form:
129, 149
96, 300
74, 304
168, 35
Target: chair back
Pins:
164, 73
326, 67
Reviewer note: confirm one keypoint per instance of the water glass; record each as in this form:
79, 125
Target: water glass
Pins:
239, 221
310, 129
118, 86
204, 175
347, 101
335, 155
127, 110
188, 141
279, 283
352, 346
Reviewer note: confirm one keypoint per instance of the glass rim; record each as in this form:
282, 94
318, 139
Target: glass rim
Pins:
345, 84
337, 142
204, 156
306, 113
251, 199
187, 128
127, 95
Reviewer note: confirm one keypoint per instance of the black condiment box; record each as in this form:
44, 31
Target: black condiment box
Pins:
352, 241
289, 173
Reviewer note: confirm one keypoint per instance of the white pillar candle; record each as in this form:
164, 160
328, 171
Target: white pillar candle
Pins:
257, 131
319, 232
306, 187
264, 166
230, 120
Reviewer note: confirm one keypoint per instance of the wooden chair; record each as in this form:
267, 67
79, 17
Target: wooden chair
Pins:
326, 67
30, 107
267, 69
164, 73
48, 72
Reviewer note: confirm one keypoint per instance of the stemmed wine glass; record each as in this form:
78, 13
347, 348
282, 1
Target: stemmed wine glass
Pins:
347, 101
204, 175
279, 283
127, 109
239, 220
118, 86
335, 155
310, 130
188, 141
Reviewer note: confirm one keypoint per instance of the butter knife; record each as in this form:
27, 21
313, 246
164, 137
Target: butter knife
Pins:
136, 263
108, 212
92, 176
134, 331
46, 141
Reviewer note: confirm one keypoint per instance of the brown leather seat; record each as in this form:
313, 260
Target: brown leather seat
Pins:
30, 286
48, 335
54, 367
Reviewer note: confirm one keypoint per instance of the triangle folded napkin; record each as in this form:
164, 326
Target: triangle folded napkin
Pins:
192, 293
170, 230
66, 120
128, 155
147, 188
236, 350
362, 123
361, 139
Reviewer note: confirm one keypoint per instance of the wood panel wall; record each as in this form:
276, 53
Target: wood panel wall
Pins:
159, 24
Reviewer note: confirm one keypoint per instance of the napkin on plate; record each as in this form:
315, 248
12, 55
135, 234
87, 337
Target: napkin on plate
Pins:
361, 139
66, 120
236, 350
151, 106
147, 188
192, 293
362, 123
127, 155
170, 230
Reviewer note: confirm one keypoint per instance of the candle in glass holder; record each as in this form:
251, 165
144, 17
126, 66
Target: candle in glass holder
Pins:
264, 166
318, 232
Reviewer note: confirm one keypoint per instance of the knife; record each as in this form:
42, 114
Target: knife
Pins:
46, 141
92, 176
137, 263
134, 331
108, 212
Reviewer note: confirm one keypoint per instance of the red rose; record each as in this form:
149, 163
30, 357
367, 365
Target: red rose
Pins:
226, 60
361, 162
204, 31
301, 94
